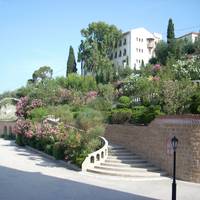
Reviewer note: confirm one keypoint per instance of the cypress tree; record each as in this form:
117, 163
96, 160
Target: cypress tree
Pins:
71, 62
170, 31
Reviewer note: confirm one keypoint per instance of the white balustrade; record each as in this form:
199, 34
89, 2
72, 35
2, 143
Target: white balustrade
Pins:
96, 157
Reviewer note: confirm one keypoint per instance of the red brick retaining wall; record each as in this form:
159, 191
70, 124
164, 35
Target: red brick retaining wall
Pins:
153, 143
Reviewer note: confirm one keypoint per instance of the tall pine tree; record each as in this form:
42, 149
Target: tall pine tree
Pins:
71, 62
170, 31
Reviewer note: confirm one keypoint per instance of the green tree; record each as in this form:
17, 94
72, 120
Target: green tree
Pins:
96, 49
41, 74
170, 31
161, 52
71, 62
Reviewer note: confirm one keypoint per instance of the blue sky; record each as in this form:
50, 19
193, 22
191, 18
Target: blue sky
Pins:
34, 33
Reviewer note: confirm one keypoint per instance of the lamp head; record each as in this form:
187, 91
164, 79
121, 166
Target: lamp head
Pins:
174, 142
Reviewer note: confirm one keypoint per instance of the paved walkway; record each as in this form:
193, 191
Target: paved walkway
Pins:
28, 176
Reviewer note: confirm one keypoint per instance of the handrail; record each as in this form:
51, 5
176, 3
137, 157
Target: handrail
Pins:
96, 157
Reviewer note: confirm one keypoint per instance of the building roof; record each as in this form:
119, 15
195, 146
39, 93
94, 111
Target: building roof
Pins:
191, 33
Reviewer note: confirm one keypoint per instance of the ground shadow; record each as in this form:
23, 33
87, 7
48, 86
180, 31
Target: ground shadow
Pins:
15, 184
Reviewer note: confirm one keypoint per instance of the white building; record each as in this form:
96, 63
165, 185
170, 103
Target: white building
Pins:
190, 36
135, 46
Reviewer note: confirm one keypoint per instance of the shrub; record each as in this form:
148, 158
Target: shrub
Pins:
144, 115
119, 116
49, 149
58, 151
38, 114
100, 104
124, 102
20, 140
106, 91
63, 113
88, 118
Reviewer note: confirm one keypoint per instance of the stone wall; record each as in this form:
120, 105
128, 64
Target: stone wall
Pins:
6, 126
153, 143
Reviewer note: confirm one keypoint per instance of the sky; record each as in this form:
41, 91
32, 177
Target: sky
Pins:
34, 33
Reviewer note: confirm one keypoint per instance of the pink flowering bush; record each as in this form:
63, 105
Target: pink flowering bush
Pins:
21, 127
22, 107
90, 96
156, 67
36, 103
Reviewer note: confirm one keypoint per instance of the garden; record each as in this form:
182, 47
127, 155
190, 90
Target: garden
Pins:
64, 116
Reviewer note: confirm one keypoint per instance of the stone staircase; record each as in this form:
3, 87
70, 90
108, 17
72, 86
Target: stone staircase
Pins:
120, 162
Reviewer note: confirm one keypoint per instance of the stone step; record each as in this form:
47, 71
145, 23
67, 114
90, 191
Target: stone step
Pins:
127, 169
139, 165
125, 174
123, 157
121, 154
126, 161
122, 151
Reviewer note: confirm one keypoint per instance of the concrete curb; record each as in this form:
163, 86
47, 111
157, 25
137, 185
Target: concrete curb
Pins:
66, 164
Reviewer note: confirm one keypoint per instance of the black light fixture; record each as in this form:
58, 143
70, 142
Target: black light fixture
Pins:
174, 142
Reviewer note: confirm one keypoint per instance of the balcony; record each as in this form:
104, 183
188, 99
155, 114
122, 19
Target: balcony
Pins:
150, 43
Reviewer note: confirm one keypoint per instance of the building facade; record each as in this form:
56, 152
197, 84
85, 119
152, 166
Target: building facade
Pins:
190, 36
136, 46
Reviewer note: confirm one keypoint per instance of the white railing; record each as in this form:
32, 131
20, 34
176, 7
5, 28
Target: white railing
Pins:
96, 157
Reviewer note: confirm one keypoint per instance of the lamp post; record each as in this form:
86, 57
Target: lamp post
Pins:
174, 142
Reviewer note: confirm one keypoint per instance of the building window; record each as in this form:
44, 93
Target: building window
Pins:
124, 43
124, 53
120, 53
137, 49
111, 56
142, 40
137, 38
142, 50
120, 43
115, 54
124, 63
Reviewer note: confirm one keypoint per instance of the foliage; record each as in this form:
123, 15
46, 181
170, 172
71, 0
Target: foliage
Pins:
100, 104
187, 68
71, 62
38, 114
124, 72
161, 52
22, 107
170, 31
144, 115
143, 88
58, 151
20, 140
49, 149
124, 102
176, 96
77, 82
63, 113
88, 118
42, 73
195, 102
119, 116
106, 91
96, 49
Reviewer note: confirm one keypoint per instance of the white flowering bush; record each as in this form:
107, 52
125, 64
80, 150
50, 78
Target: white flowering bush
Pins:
187, 68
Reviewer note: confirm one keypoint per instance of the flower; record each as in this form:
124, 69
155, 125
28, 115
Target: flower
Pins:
156, 67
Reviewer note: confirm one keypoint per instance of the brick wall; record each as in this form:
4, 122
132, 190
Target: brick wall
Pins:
153, 143
8, 124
